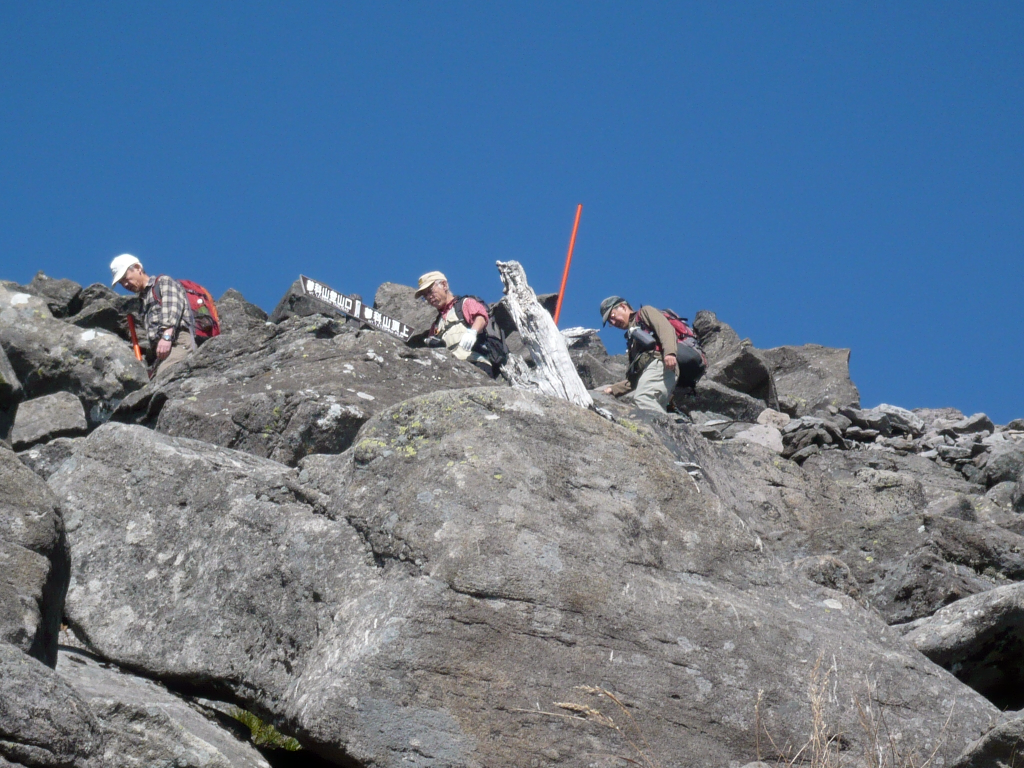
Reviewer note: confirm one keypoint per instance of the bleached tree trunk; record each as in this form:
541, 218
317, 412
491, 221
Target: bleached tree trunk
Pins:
555, 373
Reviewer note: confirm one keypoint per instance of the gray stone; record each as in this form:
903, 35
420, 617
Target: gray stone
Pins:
718, 339
813, 377
932, 415
473, 546
49, 356
981, 640
979, 422
1001, 494
45, 418
593, 363
1003, 464
143, 724
1016, 425
774, 418
762, 434
745, 370
34, 565
712, 396
999, 748
236, 315
11, 393
62, 296
104, 308
285, 391
46, 459
861, 435
44, 723
400, 302
295, 303
831, 572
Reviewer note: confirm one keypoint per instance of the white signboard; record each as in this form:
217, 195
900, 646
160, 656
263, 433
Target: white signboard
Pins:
355, 308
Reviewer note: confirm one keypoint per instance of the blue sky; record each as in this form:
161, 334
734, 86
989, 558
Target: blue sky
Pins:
850, 174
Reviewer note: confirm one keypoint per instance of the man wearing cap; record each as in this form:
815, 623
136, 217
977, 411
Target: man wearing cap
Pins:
461, 324
165, 310
652, 350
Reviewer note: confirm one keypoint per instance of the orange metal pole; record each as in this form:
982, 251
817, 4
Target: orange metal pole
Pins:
135, 339
568, 261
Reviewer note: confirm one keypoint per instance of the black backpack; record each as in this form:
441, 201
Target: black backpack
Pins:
490, 343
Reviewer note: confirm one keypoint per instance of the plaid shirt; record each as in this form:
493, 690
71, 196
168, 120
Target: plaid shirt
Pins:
172, 311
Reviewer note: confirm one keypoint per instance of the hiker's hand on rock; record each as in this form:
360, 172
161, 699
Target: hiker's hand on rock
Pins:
163, 349
670, 362
607, 390
468, 340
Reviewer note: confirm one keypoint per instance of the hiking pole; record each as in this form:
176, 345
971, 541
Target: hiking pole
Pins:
135, 339
568, 261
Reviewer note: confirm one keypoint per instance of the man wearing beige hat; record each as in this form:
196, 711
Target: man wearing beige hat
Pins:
463, 325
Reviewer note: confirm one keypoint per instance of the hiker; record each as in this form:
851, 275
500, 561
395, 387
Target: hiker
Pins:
658, 358
166, 313
463, 325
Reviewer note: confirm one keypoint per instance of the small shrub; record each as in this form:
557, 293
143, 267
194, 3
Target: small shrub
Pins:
264, 734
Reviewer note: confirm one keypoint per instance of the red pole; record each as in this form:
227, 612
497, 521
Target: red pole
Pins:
568, 261
135, 339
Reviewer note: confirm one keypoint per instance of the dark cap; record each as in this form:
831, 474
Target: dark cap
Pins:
608, 305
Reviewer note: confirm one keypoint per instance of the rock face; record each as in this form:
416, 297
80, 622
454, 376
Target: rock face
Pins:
62, 296
238, 315
142, 724
443, 588
43, 720
400, 302
11, 394
102, 308
34, 561
812, 377
49, 356
45, 418
285, 391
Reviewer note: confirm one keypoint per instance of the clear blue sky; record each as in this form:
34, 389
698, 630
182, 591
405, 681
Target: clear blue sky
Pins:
850, 174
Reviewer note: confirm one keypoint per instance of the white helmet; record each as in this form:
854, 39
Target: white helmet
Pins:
120, 265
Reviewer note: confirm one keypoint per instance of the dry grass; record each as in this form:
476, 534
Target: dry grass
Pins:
826, 747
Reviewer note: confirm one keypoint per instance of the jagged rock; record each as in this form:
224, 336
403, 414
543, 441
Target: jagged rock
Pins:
48, 417
49, 355
1015, 425
34, 566
1003, 464
593, 363
11, 393
762, 434
143, 725
886, 419
745, 370
103, 308
861, 435
295, 303
999, 748
717, 339
44, 723
981, 640
712, 396
46, 459
774, 418
400, 302
931, 415
829, 572
812, 377
238, 315
62, 296
1017, 497
979, 422
284, 391
513, 543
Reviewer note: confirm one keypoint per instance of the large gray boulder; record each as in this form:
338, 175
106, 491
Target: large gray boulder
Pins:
45, 418
981, 640
711, 396
999, 748
400, 303
237, 315
49, 355
34, 561
745, 370
101, 307
142, 724
285, 391
812, 377
62, 296
44, 723
11, 393
718, 339
510, 542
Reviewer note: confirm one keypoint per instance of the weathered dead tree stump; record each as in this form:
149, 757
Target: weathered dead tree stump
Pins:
555, 373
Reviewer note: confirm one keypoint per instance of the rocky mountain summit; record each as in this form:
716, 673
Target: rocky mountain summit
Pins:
395, 560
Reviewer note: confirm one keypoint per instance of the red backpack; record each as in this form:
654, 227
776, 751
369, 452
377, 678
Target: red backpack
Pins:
204, 311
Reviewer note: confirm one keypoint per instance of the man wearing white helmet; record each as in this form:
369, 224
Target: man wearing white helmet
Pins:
165, 310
